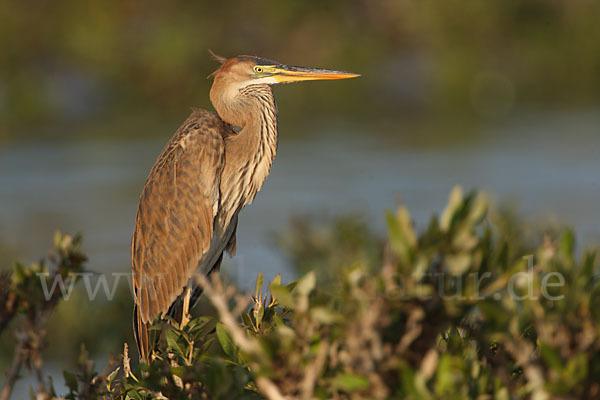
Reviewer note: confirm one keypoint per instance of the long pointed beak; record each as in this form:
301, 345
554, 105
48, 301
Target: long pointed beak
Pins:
288, 73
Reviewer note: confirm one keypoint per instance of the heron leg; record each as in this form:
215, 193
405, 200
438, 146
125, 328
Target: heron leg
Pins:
180, 309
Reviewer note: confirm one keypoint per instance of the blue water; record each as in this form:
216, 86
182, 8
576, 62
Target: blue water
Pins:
549, 164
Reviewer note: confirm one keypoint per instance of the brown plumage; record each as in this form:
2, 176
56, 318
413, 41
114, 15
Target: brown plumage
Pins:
211, 168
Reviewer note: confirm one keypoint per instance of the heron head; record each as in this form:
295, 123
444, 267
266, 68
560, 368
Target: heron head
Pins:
242, 71
236, 73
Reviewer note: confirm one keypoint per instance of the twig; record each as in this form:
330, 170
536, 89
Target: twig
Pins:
215, 293
13, 373
9, 306
220, 302
30, 339
413, 329
269, 389
126, 361
313, 370
35, 335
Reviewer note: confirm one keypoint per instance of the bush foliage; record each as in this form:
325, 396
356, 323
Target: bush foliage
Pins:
464, 309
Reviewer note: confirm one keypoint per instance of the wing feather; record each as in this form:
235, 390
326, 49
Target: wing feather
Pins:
176, 212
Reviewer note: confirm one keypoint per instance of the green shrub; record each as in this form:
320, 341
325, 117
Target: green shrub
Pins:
461, 310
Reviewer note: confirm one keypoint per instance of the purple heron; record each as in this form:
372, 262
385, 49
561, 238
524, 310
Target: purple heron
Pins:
210, 169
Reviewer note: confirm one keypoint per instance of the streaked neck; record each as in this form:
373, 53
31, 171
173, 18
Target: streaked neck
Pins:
250, 154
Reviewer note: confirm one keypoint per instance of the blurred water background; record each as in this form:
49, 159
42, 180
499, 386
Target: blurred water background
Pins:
501, 95
547, 164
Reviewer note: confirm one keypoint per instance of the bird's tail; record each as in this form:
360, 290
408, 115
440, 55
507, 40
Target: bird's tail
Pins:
141, 330
145, 341
142, 335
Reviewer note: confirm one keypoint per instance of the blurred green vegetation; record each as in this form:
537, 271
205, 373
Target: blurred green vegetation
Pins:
452, 312
309, 243
344, 241
121, 68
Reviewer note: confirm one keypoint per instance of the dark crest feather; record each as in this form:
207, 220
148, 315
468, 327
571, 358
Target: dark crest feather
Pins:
217, 58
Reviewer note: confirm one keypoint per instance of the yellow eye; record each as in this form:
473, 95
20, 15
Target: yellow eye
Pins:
258, 70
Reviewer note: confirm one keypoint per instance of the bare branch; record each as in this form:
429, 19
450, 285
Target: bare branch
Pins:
13, 373
269, 389
218, 297
313, 371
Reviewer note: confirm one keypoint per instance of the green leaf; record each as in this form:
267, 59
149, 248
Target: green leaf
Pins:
351, 382
172, 341
276, 280
134, 395
198, 324
247, 320
307, 283
323, 315
282, 296
444, 375
178, 371
259, 283
407, 375
258, 314
459, 263
226, 341
71, 381
577, 368
454, 203
550, 356
18, 276
566, 244
292, 286
401, 233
